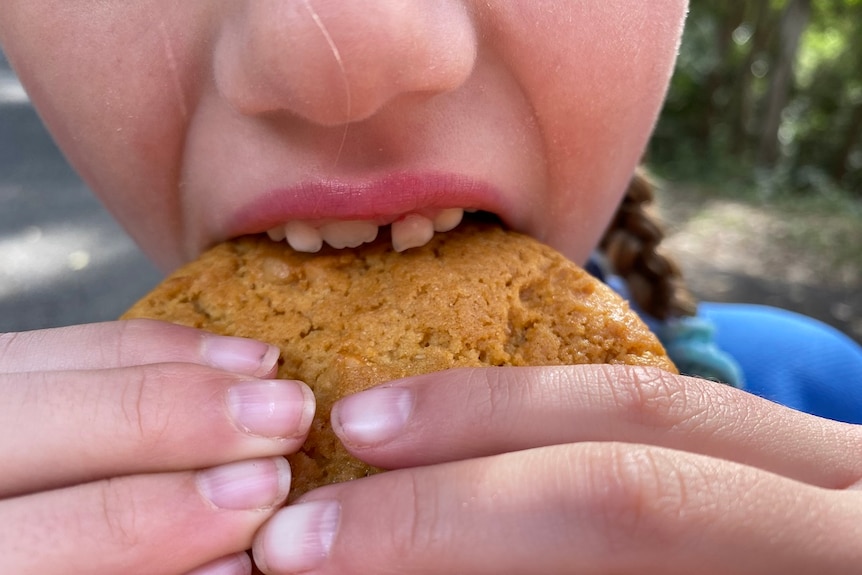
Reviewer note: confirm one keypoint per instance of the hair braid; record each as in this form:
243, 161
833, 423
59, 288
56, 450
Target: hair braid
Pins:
631, 246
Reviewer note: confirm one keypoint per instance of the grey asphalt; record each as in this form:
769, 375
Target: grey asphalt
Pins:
63, 259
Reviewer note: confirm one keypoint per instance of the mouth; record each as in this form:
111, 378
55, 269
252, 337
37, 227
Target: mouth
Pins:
347, 214
407, 231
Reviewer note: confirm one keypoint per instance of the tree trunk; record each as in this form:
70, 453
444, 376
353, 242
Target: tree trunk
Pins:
793, 23
729, 16
851, 137
742, 109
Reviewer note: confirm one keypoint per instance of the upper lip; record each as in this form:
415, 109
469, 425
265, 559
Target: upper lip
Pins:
380, 199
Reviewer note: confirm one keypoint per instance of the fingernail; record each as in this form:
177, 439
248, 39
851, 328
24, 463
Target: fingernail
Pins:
373, 416
272, 408
254, 484
240, 355
238, 564
299, 537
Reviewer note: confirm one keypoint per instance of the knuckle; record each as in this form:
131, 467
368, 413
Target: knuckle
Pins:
638, 499
118, 513
421, 531
145, 405
493, 393
129, 340
504, 400
656, 398
147, 341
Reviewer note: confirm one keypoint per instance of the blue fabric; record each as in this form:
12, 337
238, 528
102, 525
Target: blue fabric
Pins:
783, 356
790, 358
690, 343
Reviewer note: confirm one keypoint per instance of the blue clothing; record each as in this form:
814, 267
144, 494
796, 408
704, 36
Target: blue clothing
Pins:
790, 358
777, 354
689, 341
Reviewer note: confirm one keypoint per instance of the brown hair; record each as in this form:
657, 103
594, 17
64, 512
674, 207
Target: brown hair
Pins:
631, 246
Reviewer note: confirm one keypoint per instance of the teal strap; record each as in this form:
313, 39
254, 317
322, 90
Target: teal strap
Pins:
690, 343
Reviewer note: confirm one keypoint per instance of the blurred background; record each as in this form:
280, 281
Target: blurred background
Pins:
760, 149
758, 152
63, 259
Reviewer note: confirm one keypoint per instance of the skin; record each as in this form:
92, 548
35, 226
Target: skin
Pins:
198, 121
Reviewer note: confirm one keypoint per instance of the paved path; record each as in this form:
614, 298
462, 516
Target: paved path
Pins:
63, 260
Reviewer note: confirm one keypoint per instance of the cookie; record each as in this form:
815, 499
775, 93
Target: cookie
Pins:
346, 320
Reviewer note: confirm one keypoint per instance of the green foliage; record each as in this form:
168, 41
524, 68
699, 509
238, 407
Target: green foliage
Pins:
713, 125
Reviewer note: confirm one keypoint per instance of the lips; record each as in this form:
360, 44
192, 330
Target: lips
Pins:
346, 213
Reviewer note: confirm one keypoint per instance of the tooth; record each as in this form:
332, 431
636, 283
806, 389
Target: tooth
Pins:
412, 231
349, 234
448, 219
276, 234
302, 237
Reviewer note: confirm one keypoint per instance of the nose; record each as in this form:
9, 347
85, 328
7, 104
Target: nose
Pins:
339, 61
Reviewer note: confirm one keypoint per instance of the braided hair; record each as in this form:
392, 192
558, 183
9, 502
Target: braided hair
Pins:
631, 247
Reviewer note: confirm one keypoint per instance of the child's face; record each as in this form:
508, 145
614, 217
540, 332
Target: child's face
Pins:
196, 121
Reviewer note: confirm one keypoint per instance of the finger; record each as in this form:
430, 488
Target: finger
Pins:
496, 410
236, 564
581, 508
62, 428
166, 523
133, 342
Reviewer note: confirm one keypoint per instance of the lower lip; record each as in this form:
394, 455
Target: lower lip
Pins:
382, 200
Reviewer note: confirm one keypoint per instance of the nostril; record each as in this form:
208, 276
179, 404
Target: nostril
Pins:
333, 65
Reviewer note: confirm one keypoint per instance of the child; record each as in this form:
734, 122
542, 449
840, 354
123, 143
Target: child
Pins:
147, 448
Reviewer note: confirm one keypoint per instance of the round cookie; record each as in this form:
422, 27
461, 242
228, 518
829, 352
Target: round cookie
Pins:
346, 320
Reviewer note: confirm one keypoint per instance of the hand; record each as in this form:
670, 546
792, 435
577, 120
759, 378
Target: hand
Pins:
584, 469
103, 429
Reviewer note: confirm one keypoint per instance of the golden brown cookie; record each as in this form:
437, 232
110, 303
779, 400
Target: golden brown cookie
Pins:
346, 320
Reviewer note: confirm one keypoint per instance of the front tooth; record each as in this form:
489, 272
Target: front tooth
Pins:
448, 219
302, 237
412, 231
349, 234
276, 234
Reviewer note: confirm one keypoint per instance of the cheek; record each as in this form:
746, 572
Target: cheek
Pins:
125, 145
113, 89
596, 85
